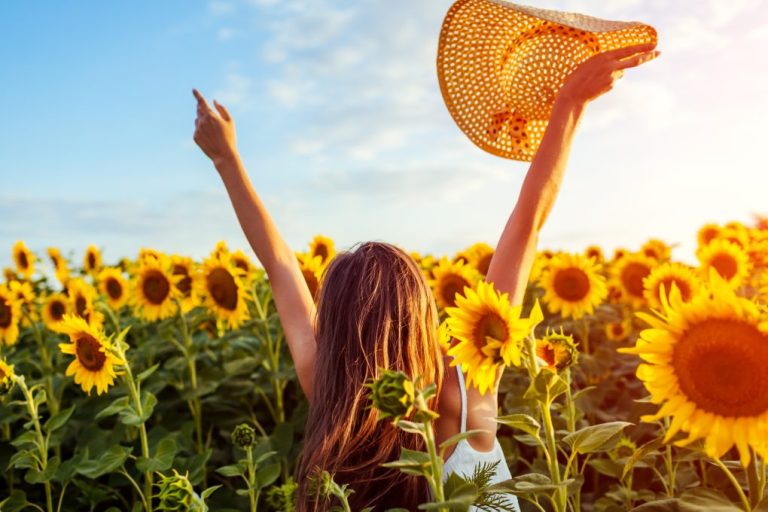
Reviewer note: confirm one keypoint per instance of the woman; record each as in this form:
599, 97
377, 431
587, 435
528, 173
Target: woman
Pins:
375, 310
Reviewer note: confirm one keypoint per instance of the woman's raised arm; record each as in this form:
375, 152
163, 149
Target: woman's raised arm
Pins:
215, 134
511, 263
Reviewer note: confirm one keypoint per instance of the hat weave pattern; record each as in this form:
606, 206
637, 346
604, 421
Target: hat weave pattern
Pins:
500, 66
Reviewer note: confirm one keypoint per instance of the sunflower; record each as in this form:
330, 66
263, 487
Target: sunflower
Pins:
6, 376
618, 254
154, 288
221, 248
629, 273
670, 273
25, 260
481, 255
24, 294
705, 362
427, 263
735, 232
730, 261
94, 361
246, 268
595, 252
490, 333
572, 285
224, 292
59, 265
10, 275
557, 350
617, 331
92, 260
758, 249
540, 262
623, 450
10, 316
82, 297
54, 308
707, 233
114, 287
449, 280
186, 268
324, 247
656, 249
312, 269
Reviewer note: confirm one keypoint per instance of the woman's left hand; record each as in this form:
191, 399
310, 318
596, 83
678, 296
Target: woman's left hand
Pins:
215, 132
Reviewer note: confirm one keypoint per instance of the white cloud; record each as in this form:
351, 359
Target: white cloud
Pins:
236, 90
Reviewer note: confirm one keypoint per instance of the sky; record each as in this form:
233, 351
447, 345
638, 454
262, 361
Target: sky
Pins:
344, 132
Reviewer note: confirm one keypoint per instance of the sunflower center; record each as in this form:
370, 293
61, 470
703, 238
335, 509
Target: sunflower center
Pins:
57, 310
571, 284
725, 265
720, 365
546, 352
2, 374
156, 287
484, 262
632, 277
452, 284
23, 260
242, 265
322, 251
114, 289
88, 354
685, 290
618, 330
185, 284
490, 325
223, 289
80, 305
91, 260
5, 314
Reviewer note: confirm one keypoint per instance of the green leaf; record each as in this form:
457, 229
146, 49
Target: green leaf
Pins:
146, 373
58, 420
148, 403
640, 453
665, 505
34, 476
583, 392
232, 470
28, 439
411, 462
114, 408
709, 500
107, 462
24, 459
410, 426
206, 493
267, 475
282, 438
68, 468
532, 483
524, 422
16, 502
458, 437
162, 460
596, 438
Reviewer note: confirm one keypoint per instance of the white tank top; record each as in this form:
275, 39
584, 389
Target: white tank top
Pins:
464, 458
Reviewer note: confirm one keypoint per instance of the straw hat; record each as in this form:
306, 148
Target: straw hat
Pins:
500, 66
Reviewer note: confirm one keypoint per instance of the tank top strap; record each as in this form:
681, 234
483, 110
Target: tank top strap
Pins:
463, 390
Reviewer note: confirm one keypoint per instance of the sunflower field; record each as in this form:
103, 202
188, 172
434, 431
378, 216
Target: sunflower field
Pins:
633, 381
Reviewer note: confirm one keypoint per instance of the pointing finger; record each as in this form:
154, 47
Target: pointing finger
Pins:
201, 102
621, 53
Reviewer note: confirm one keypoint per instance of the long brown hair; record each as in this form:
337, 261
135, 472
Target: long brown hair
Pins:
375, 310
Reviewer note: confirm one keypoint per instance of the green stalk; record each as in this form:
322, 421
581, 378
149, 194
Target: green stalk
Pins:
251, 480
736, 485
135, 395
753, 477
42, 443
668, 463
195, 406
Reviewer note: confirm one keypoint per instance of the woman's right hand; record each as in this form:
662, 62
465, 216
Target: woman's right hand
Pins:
597, 75
215, 133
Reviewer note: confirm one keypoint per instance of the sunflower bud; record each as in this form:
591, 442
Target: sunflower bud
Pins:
177, 493
283, 497
243, 436
392, 394
6, 377
558, 350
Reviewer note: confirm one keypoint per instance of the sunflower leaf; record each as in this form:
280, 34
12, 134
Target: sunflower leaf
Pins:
114, 408
58, 420
162, 460
596, 438
524, 422
146, 373
107, 462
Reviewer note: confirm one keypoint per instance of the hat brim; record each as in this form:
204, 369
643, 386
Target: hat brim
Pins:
500, 66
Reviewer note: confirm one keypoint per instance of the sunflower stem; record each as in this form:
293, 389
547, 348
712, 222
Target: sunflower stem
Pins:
736, 485
134, 390
251, 479
753, 478
436, 475
671, 477
195, 405
42, 441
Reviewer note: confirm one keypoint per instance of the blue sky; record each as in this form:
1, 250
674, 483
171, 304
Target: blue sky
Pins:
343, 130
